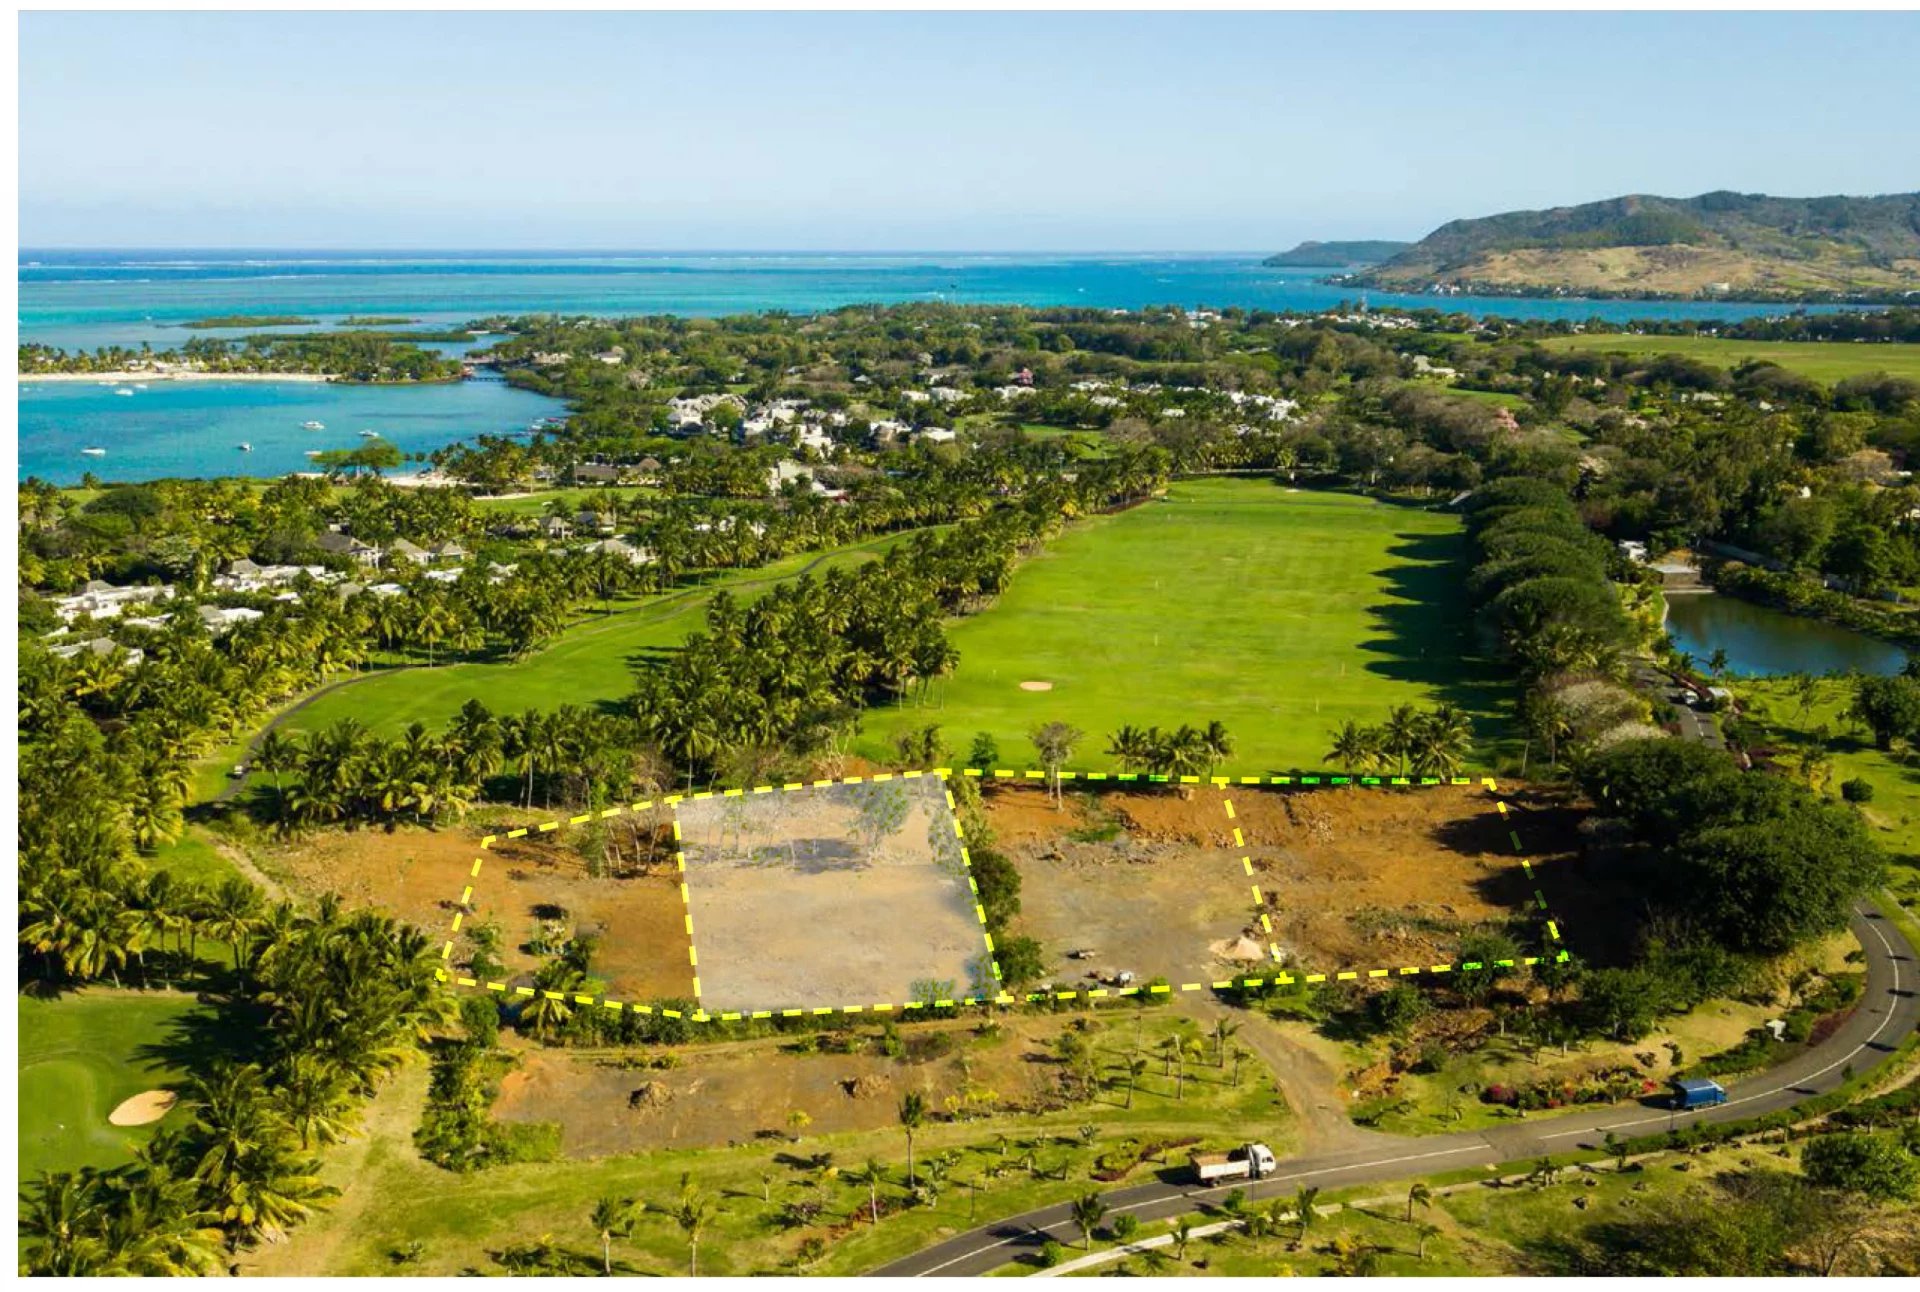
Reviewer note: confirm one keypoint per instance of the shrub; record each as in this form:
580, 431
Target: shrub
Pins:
1051, 1254
1856, 790
1125, 1226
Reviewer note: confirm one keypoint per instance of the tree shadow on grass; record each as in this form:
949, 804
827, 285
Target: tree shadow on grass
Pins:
198, 1038
1430, 640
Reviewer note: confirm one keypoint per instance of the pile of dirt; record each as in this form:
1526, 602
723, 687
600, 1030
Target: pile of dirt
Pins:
867, 1085
1238, 950
650, 1097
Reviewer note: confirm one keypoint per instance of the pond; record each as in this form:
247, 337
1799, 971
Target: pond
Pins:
1761, 641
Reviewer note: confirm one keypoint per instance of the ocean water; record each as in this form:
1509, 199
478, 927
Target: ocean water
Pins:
182, 428
84, 300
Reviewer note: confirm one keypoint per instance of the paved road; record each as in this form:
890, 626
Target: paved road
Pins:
1889, 1010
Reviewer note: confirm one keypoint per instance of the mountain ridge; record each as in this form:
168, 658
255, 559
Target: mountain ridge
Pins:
1718, 244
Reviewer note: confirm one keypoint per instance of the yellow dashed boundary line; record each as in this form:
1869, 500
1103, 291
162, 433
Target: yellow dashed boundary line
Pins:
446, 974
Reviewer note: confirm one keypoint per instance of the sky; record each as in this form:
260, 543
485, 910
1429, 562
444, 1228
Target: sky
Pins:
878, 132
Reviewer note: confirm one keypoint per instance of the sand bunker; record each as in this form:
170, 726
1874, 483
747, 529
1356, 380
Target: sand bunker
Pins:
1036, 686
146, 1107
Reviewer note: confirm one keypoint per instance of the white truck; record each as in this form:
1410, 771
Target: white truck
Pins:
1248, 1162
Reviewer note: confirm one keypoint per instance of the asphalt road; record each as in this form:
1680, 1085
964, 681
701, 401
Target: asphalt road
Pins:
1889, 1010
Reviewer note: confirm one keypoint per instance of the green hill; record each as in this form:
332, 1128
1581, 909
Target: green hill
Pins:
1323, 254
1717, 244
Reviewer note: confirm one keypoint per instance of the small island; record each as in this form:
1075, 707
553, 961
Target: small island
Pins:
360, 358
250, 320
375, 320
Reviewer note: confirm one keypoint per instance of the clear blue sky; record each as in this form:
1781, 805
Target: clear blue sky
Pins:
989, 131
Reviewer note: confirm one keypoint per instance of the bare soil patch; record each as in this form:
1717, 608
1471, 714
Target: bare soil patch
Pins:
527, 888
733, 1094
144, 1108
1354, 878
1036, 686
831, 896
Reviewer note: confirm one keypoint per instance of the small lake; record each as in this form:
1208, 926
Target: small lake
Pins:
1761, 641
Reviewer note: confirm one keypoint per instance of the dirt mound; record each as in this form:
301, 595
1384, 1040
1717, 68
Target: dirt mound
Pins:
650, 1096
146, 1107
1241, 949
866, 1086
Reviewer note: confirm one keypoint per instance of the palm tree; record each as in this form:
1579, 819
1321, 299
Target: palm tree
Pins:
276, 754
692, 1213
1218, 745
612, 1217
871, 1175
1182, 1235
1401, 735
1426, 1230
1303, 1212
913, 1113
1088, 1211
1418, 1195
1354, 747
61, 1213
235, 915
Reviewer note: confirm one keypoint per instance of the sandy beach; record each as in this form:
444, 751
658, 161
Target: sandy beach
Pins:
133, 378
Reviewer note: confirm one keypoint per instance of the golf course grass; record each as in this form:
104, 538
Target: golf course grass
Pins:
1280, 613
1825, 361
589, 664
81, 1055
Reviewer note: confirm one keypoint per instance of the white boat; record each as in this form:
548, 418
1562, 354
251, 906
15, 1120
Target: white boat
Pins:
124, 390
313, 453
369, 435
244, 447
313, 426
93, 453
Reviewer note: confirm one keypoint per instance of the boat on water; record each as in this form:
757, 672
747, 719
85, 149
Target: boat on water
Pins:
244, 447
313, 426
369, 435
313, 453
93, 453
125, 390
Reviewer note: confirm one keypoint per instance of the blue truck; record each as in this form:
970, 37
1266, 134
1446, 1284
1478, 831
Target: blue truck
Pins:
1698, 1093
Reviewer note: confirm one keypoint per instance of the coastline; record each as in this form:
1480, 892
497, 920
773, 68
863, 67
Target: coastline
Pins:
133, 377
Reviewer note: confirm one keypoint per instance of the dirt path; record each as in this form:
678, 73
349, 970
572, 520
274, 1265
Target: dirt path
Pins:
1310, 1086
386, 1131
243, 862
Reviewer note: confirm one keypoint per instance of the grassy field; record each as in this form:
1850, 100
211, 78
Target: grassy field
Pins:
535, 504
589, 664
1281, 614
82, 1055
462, 1222
1827, 361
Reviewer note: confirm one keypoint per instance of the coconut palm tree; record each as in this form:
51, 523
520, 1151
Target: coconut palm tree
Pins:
1088, 1211
613, 1218
692, 1213
871, 1175
1418, 1195
1355, 748
913, 1114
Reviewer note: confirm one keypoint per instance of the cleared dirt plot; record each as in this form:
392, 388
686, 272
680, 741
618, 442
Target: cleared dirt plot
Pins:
535, 894
732, 1094
1138, 897
831, 896
1362, 878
